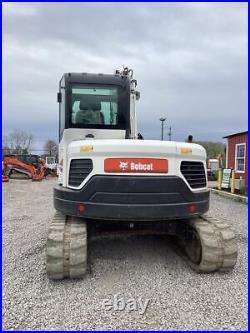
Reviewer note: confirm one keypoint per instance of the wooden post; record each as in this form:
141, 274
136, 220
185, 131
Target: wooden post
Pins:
219, 179
233, 182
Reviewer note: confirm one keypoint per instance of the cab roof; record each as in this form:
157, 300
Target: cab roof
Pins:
115, 79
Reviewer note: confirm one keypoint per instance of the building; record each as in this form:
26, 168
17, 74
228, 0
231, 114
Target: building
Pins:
237, 155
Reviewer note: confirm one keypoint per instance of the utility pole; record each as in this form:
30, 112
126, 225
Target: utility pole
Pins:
162, 124
170, 133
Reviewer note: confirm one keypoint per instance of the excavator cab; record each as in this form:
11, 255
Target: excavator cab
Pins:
98, 104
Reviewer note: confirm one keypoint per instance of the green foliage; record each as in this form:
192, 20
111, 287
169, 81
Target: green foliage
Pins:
214, 149
216, 174
243, 190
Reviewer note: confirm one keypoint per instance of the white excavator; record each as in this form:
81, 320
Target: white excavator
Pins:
109, 179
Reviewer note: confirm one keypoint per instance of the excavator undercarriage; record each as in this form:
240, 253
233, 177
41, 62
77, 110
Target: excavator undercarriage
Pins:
205, 243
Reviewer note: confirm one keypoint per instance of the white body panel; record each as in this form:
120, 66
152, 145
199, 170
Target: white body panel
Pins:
133, 120
75, 134
99, 150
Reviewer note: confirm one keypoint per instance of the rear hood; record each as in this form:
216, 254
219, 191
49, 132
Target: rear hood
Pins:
136, 148
121, 157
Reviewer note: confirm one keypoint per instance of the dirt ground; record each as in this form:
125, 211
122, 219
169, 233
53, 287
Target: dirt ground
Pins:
135, 267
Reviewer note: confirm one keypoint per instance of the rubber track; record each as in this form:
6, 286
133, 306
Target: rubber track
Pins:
218, 245
66, 252
229, 242
20, 173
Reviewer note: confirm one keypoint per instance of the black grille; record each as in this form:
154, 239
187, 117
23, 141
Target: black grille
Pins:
79, 170
194, 173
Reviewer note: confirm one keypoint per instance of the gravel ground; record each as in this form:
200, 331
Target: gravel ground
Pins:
134, 267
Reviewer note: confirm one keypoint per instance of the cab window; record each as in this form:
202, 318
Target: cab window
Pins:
94, 106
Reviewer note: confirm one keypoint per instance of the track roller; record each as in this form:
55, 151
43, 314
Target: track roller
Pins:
66, 253
212, 245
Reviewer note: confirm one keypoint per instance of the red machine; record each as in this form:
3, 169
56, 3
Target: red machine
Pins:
12, 165
4, 177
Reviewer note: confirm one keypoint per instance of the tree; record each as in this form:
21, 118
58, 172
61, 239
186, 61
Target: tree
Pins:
19, 141
214, 149
51, 148
5, 141
5, 146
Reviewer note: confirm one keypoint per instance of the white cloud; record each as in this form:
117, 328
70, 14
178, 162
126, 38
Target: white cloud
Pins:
18, 9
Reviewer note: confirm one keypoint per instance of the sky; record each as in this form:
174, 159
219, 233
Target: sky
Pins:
190, 60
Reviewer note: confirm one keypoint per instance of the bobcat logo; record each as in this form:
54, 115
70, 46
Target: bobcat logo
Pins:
123, 165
